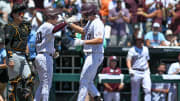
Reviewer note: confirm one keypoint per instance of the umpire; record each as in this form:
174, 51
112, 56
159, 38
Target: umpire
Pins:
16, 34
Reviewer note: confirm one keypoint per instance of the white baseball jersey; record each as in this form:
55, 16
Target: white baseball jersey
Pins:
139, 61
94, 29
173, 67
45, 39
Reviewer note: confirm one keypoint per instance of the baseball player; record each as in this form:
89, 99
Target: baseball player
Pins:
137, 63
45, 51
111, 91
16, 35
93, 49
174, 69
160, 90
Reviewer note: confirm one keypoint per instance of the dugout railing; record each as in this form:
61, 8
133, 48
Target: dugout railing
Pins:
159, 54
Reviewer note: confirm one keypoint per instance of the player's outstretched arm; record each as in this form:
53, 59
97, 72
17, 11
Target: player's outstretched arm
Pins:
94, 41
77, 28
59, 27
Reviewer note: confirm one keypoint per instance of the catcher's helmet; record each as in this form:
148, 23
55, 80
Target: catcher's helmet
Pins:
17, 8
51, 13
89, 9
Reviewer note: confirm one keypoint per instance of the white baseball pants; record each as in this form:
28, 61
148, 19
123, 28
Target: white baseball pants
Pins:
44, 67
92, 62
138, 79
111, 96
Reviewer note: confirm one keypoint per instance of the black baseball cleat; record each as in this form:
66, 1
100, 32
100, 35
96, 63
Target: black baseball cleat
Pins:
98, 98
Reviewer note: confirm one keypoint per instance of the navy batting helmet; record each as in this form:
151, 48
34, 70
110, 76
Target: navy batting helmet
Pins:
89, 9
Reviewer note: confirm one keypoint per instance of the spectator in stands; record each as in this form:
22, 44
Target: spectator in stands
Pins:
39, 4
171, 39
157, 15
69, 8
12, 2
3, 70
155, 37
134, 6
160, 90
175, 25
48, 3
173, 70
5, 9
104, 10
111, 90
118, 18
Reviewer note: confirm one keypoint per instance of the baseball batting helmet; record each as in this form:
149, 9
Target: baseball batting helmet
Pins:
51, 13
89, 9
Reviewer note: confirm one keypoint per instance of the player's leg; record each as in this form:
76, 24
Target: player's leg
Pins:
41, 64
26, 72
108, 96
146, 83
87, 76
135, 86
96, 60
14, 72
50, 73
116, 96
84, 78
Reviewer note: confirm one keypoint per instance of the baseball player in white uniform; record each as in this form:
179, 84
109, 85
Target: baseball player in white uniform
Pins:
45, 51
174, 69
93, 49
137, 63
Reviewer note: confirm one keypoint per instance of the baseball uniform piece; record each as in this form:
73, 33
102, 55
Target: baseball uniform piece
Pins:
94, 57
139, 59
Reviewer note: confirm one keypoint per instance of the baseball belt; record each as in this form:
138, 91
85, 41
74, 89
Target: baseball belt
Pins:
46, 53
138, 69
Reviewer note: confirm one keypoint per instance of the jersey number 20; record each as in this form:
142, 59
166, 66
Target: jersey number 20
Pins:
39, 37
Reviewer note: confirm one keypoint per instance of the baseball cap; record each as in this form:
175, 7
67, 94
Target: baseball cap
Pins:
169, 32
156, 25
113, 58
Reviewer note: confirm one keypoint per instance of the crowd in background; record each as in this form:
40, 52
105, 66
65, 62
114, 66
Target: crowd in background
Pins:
159, 20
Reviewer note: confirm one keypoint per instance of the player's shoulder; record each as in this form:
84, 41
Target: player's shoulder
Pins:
145, 48
45, 26
175, 64
9, 26
132, 49
97, 20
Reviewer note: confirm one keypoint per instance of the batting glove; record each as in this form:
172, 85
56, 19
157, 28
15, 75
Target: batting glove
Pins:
71, 19
78, 42
131, 72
